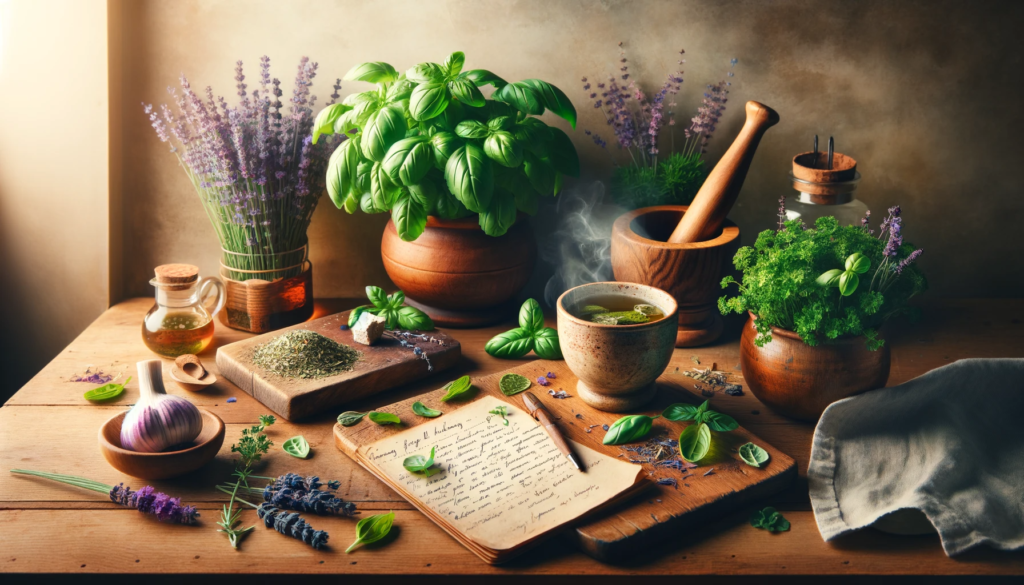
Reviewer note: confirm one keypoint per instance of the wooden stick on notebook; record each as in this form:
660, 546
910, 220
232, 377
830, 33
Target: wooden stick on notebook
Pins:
537, 411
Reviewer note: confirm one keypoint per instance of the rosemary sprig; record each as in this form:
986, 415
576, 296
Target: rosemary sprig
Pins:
251, 448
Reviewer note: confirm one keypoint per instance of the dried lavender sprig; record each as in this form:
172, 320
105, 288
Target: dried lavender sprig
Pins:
291, 524
294, 492
404, 339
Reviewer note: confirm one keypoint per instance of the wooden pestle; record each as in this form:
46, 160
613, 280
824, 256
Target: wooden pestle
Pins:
703, 220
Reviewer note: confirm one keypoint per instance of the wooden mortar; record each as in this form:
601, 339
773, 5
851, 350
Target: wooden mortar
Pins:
691, 273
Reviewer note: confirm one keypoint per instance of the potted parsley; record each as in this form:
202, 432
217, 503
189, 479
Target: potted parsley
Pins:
457, 171
818, 299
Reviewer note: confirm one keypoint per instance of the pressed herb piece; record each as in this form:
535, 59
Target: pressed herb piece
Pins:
501, 411
456, 388
753, 455
296, 447
384, 418
421, 464
350, 418
695, 442
304, 354
512, 384
107, 391
629, 429
769, 519
422, 410
372, 529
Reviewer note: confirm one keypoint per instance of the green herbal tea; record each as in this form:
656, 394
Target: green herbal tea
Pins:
617, 310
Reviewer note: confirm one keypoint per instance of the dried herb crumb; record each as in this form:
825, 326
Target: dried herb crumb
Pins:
304, 354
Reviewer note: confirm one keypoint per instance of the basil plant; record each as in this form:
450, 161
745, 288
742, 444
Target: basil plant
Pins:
427, 142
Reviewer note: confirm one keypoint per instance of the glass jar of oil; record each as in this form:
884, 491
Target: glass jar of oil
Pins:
179, 322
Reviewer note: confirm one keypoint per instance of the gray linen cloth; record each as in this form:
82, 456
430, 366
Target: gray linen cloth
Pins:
949, 443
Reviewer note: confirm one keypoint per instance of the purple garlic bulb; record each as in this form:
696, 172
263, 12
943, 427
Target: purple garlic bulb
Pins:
158, 420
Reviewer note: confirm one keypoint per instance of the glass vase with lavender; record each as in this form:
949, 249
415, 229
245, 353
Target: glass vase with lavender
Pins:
257, 172
640, 122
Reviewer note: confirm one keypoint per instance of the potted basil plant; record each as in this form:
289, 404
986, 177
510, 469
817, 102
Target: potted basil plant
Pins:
818, 299
457, 171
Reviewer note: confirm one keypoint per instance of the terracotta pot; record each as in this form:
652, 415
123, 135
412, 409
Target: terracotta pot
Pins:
692, 273
616, 364
459, 275
799, 381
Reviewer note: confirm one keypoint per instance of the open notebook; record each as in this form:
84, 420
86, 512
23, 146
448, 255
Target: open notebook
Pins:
501, 488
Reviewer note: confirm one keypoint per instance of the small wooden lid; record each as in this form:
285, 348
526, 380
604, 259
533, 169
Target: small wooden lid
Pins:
811, 166
176, 273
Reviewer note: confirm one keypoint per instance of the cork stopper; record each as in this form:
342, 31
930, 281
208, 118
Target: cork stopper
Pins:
175, 276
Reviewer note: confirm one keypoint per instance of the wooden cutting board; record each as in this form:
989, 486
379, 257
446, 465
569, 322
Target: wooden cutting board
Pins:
384, 365
659, 513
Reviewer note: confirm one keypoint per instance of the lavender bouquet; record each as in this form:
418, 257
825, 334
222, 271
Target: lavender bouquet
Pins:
638, 120
254, 166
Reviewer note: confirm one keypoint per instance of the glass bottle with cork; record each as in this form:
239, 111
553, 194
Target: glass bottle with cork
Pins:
827, 183
179, 323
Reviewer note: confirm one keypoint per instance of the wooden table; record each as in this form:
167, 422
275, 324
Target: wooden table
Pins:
52, 528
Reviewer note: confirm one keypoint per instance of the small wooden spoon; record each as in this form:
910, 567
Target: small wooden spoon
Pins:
190, 383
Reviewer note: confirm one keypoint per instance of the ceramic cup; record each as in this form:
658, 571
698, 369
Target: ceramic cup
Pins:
616, 364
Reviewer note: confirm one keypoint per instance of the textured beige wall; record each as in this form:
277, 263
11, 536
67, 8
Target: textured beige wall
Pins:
924, 94
53, 178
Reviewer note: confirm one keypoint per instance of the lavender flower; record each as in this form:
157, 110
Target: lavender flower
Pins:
899, 267
291, 524
149, 501
295, 492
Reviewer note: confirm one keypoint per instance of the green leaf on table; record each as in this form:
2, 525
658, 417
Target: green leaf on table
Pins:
553, 99
377, 296
375, 72
753, 455
510, 344
546, 344
384, 418
372, 529
680, 412
695, 442
531, 317
428, 100
296, 447
769, 519
106, 391
396, 299
456, 388
421, 464
421, 409
470, 177
350, 418
511, 384
720, 422
414, 319
628, 429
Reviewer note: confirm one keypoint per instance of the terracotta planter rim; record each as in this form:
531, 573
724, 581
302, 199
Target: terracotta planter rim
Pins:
208, 418
793, 335
464, 223
671, 315
730, 231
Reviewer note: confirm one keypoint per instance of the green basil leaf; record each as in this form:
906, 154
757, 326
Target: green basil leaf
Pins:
354, 99
628, 429
484, 77
720, 422
296, 447
500, 215
421, 464
452, 115
546, 345
414, 319
362, 112
680, 412
510, 344
410, 218
353, 316
347, 123
502, 148
562, 153
470, 178
695, 442
521, 97
448, 207
376, 72
383, 128
366, 204
553, 99
445, 144
399, 91
377, 296
526, 199
472, 129
540, 173
753, 455
421, 409
372, 529
533, 135
350, 418
384, 418
456, 388
342, 170
106, 391
391, 318
382, 189
858, 263
558, 183
501, 123
396, 299
701, 410
511, 384
408, 160
830, 278
361, 184
324, 122
466, 92
453, 64
425, 73
848, 282
531, 317
424, 193
428, 100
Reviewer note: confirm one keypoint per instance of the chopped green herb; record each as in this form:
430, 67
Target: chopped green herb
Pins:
769, 519
512, 384
304, 354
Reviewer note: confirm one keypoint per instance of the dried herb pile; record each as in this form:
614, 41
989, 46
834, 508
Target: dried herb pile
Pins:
304, 354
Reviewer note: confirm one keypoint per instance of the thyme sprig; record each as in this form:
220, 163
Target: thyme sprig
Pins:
253, 445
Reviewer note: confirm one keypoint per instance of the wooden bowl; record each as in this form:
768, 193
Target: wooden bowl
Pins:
691, 273
616, 364
166, 464
188, 382
799, 381
457, 274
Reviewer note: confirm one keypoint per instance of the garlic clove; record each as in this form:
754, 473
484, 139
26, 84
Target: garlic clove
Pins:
158, 420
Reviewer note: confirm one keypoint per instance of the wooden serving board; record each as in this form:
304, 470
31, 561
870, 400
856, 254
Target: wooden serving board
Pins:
383, 365
661, 512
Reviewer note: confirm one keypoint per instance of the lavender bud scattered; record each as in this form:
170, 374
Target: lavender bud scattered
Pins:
291, 524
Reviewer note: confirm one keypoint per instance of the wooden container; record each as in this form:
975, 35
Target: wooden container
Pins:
457, 274
169, 463
691, 273
259, 306
799, 381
